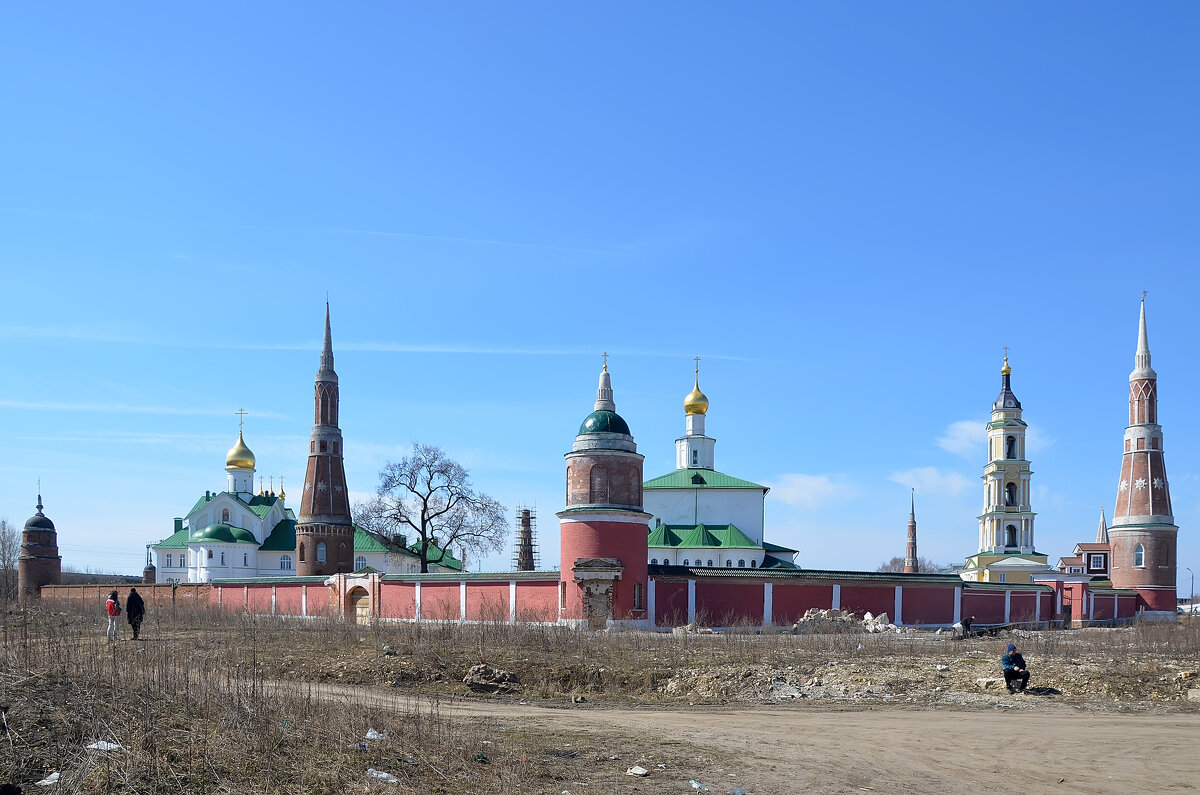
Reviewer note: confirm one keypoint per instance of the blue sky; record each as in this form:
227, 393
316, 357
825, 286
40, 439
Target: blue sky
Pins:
846, 210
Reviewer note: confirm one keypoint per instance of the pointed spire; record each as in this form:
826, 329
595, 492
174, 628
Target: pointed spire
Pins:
1142, 368
39, 505
1102, 530
327, 347
912, 506
604, 393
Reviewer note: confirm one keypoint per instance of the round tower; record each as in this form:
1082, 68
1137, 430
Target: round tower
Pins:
39, 563
603, 527
324, 530
1143, 534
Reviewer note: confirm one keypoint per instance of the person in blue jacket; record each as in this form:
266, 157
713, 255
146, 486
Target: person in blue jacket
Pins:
1014, 670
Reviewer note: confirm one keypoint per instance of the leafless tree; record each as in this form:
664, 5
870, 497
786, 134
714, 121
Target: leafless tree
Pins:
431, 495
10, 550
924, 565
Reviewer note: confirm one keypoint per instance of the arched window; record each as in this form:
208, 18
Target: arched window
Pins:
360, 562
1010, 536
224, 514
741, 563
301, 553
222, 558
285, 562
695, 457
245, 559
709, 563
754, 564
1010, 450
1010, 494
320, 552
598, 485
666, 561
210, 554
729, 564
653, 561
639, 597
1139, 555
685, 561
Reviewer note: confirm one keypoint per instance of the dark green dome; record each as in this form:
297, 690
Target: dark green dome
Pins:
604, 422
215, 532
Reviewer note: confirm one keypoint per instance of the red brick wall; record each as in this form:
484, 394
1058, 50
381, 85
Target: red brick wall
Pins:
487, 601
398, 600
790, 602
876, 599
537, 601
722, 604
440, 601
986, 606
930, 605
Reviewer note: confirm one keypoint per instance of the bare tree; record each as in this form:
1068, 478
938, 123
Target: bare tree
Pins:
924, 565
10, 550
431, 495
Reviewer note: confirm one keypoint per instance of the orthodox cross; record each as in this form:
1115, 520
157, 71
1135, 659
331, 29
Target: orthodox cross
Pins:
1006, 353
241, 418
1144, 292
697, 365
606, 361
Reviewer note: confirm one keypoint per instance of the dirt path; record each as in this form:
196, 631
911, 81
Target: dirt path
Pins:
810, 748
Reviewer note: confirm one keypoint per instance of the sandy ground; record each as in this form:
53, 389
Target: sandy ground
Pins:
1036, 746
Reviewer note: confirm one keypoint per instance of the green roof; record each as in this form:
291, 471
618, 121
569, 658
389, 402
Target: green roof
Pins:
772, 562
366, 542
282, 538
604, 422
700, 479
768, 546
225, 533
700, 536
208, 497
177, 540
261, 505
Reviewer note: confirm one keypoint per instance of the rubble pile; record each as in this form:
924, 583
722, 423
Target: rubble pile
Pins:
483, 678
823, 621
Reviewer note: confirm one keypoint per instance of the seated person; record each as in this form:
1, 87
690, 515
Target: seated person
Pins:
1014, 670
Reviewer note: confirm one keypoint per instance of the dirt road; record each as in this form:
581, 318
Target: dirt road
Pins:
812, 748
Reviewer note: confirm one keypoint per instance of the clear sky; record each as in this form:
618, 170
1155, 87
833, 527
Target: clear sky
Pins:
846, 210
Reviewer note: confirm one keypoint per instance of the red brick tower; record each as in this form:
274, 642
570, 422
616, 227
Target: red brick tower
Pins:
39, 563
603, 527
910, 553
324, 531
1143, 532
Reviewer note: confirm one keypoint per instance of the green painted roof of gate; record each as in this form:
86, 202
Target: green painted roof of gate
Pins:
709, 479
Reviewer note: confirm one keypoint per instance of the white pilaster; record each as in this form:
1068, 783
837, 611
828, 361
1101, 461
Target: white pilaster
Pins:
273, 587
837, 597
1008, 607
512, 601
897, 611
650, 603
462, 600
768, 603
957, 603
691, 601
417, 601
304, 600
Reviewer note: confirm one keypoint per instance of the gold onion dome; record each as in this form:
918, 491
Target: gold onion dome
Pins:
239, 456
696, 402
1005, 370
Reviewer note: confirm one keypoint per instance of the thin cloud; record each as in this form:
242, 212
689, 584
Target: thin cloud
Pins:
810, 491
966, 438
126, 408
931, 480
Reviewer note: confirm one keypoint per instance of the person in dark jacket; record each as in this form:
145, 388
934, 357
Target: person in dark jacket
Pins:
135, 611
1014, 670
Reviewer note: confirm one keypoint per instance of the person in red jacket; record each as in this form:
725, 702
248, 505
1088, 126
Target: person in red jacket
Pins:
113, 608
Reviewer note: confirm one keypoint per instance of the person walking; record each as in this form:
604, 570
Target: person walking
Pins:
113, 608
135, 611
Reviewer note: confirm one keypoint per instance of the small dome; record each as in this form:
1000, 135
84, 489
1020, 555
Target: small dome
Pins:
696, 402
604, 422
1005, 370
215, 532
39, 521
239, 456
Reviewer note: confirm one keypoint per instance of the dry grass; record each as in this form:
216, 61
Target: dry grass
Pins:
196, 706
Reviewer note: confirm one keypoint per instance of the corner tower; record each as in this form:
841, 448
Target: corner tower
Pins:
1143, 534
603, 527
324, 530
911, 566
39, 563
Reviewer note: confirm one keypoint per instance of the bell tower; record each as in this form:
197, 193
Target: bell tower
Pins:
1143, 534
1006, 525
324, 530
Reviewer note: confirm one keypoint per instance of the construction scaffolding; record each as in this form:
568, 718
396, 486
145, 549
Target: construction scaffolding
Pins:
525, 550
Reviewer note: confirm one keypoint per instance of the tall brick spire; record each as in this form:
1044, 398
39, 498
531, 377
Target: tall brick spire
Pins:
1143, 532
910, 554
324, 530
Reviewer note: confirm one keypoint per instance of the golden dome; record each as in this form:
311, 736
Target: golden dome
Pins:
696, 402
239, 456
1005, 370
